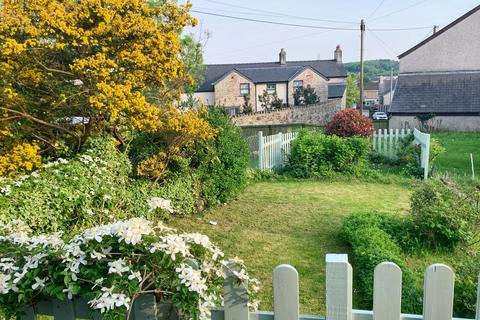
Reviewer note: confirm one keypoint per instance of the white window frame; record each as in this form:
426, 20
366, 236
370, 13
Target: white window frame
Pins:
241, 89
295, 87
271, 90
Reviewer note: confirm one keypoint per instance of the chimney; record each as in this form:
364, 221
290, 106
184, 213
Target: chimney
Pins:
338, 54
283, 57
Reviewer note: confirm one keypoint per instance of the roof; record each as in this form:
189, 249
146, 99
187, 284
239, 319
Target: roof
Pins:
441, 31
270, 74
336, 90
373, 85
440, 93
327, 68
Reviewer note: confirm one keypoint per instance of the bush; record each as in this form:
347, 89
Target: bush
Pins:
466, 283
111, 265
410, 156
315, 154
93, 188
372, 245
67, 194
442, 215
350, 123
223, 161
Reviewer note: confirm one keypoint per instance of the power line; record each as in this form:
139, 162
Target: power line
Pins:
400, 10
383, 43
279, 14
302, 25
376, 9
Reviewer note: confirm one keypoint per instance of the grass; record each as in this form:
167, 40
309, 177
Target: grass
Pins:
294, 222
456, 158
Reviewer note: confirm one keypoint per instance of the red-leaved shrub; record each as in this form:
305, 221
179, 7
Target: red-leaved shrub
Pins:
350, 123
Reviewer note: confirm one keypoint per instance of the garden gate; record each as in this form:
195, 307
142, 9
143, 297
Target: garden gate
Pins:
387, 143
273, 150
437, 298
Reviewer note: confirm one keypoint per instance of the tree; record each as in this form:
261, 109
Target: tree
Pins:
72, 68
276, 101
192, 57
247, 106
265, 100
350, 123
353, 92
310, 96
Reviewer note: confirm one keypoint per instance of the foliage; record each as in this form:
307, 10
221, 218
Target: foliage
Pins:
265, 100
223, 161
316, 154
112, 265
424, 120
192, 57
247, 107
467, 270
410, 155
305, 96
174, 141
350, 123
443, 216
353, 92
72, 68
276, 102
372, 245
374, 68
310, 96
17, 157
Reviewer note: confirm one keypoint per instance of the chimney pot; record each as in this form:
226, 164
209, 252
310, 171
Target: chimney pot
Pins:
283, 57
338, 54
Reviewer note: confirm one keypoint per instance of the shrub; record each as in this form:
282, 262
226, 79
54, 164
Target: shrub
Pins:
442, 215
372, 245
70, 193
466, 282
111, 265
410, 156
223, 161
315, 154
350, 123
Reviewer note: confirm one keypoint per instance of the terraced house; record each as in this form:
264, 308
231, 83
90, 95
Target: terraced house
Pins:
228, 84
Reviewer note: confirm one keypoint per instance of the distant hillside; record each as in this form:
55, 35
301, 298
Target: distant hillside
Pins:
373, 68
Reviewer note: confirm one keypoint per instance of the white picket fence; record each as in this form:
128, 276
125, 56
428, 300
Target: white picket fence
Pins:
273, 150
387, 143
437, 295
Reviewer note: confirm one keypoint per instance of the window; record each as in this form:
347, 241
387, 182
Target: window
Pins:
297, 85
244, 88
271, 87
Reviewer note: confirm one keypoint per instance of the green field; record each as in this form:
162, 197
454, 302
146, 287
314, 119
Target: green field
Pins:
294, 222
456, 158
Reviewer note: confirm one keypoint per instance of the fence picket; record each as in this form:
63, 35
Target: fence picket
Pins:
339, 287
285, 293
396, 144
235, 297
273, 150
438, 293
390, 144
387, 292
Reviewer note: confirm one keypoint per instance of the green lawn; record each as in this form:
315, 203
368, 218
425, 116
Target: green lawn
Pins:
294, 222
456, 159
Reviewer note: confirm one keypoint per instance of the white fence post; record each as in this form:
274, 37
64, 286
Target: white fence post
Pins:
338, 287
423, 139
285, 293
261, 154
235, 297
387, 292
438, 293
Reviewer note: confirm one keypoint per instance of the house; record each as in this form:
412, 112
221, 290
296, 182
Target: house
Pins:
370, 93
386, 89
230, 85
440, 79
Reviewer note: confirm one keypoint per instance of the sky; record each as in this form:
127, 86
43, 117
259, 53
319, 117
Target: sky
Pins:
233, 41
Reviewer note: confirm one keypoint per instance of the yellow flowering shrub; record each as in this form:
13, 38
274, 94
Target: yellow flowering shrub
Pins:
72, 68
17, 158
181, 130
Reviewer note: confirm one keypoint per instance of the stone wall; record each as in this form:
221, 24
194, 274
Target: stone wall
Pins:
318, 115
443, 123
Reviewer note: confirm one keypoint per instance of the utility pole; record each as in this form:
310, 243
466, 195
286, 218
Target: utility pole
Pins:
391, 90
362, 35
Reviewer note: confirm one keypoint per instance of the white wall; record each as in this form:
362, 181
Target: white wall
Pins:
207, 98
456, 49
281, 93
448, 123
